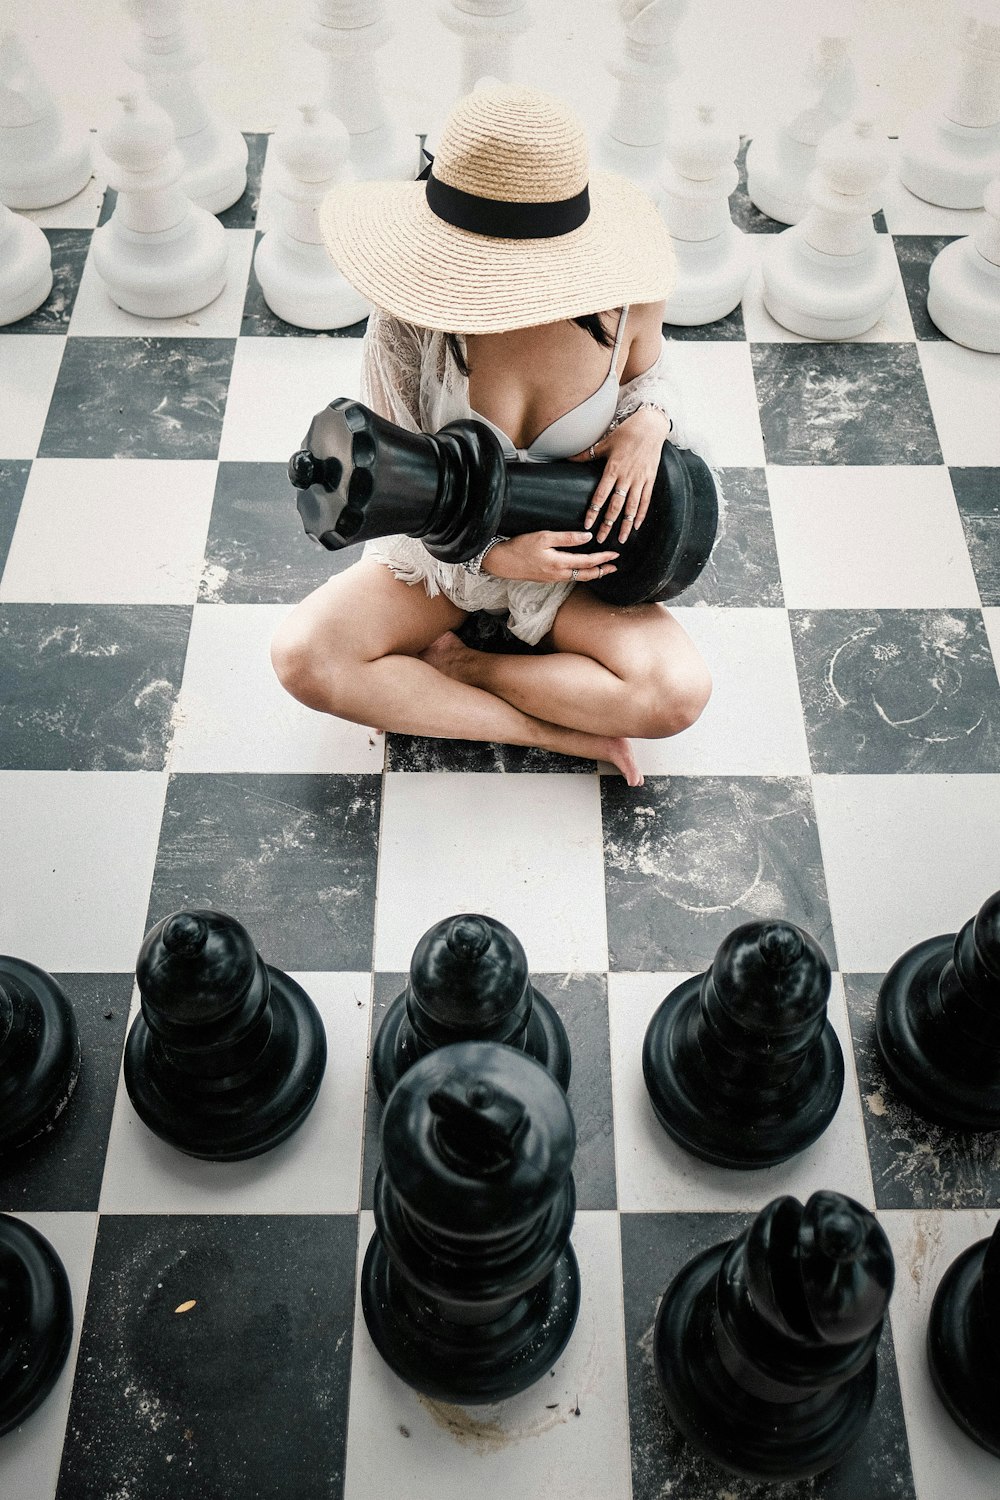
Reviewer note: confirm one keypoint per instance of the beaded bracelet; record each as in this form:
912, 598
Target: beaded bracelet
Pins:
617, 421
474, 565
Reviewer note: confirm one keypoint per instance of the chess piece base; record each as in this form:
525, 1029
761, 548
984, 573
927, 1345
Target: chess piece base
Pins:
215, 175
948, 164
824, 296
963, 296
711, 277
960, 1352
777, 169
752, 1437
38, 1325
249, 1114
469, 1363
152, 276
389, 152
43, 1071
734, 1136
65, 173
302, 286
958, 1097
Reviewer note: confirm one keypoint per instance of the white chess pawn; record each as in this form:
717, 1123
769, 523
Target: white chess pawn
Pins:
486, 30
632, 142
25, 267
831, 275
963, 294
214, 151
159, 255
43, 160
713, 258
779, 161
299, 280
947, 155
347, 34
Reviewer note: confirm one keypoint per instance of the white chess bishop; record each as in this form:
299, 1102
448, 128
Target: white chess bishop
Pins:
159, 255
632, 143
347, 34
25, 267
299, 280
948, 154
831, 275
43, 159
963, 294
779, 161
713, 258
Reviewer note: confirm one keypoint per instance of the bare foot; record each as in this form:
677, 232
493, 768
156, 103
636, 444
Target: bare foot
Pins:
450, 655
620, 753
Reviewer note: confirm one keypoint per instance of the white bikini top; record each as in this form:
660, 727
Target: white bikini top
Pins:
575, 430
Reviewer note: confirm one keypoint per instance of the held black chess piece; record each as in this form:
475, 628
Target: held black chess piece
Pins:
36, 1320
937, 1024
227, 1057
468, 982
963, 1337
764, 1346
39, 1052
360, 476
742, 1067
470, 1287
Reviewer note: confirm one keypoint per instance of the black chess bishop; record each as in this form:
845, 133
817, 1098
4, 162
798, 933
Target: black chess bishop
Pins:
39, 1052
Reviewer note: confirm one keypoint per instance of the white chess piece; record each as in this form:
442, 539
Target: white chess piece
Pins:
299, 280
347, 34
963, 293
43, 159
159, 255
948, 154
831, 275
486, 30
214, 151
780, 160
713, 258
25, 267
633, 139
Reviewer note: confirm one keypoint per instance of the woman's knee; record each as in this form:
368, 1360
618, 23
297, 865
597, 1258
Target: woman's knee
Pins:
296, 658
674, 696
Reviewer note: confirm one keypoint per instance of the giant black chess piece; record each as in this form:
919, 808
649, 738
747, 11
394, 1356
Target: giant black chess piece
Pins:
468, 982
360, 476
764, 1346
963, 1337
742, 1067
39, 1052
938, 1024
226, 1058
470, 1287
36, 1320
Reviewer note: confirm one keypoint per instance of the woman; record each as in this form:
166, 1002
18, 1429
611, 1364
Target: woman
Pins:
486, 281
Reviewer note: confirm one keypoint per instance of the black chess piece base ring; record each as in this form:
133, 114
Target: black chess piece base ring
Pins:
960, 1348
38, 1327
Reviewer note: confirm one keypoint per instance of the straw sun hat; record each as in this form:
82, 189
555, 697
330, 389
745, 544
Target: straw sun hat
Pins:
510, 229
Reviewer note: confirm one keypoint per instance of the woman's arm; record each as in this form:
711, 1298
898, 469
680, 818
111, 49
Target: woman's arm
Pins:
391, 354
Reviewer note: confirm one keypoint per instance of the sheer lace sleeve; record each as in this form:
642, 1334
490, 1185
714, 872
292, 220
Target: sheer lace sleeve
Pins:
391, 358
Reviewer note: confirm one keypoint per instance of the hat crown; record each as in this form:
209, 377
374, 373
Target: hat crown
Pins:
514, 144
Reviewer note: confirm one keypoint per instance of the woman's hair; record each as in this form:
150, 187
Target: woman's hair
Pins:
590, 321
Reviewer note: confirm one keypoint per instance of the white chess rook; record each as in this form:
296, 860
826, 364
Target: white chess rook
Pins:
632, 142
780, 160
43, 159
159, 255
831, 275
963, 294
713, 258
347, 34
25, 267
486, 30
299, 280
947, 155
214, 151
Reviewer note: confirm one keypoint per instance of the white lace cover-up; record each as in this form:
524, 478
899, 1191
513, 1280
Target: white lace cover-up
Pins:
410, 376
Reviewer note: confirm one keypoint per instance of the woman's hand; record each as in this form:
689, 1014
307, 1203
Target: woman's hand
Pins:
632, 458
538, 557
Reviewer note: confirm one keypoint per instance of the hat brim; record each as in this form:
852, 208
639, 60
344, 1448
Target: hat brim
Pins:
399, 254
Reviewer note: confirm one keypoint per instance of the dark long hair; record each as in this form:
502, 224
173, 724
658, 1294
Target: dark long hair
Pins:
590, 321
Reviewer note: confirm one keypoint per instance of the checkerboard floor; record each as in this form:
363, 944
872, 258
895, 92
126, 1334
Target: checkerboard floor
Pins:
846, 775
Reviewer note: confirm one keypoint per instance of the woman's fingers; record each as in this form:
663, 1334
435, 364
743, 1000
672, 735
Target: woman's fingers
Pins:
617, 502
634, 509
591, 565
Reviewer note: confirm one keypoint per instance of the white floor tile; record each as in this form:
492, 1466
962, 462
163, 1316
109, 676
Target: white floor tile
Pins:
276, 388
234, 715
79, 849
964, 390
991, 618
402, 1443
718, 399
654, 1173
29, 364
906, 858
317, 1169
524, 849
894, 325
111, 531
752, 725
880, 537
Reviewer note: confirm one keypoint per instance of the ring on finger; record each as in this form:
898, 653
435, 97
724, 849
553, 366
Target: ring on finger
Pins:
573, 575
619, 492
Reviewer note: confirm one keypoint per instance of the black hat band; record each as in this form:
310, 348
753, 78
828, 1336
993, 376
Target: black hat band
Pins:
500, 218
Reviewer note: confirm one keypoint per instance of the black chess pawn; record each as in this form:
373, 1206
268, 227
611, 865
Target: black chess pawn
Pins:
963, 1337
39, 1052
36, 1320
742, 1067
468, 982
938, 1024
765, 1346
227, 1057
470, 1288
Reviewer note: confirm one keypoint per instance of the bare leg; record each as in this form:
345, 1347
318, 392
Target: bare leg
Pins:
351, 649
